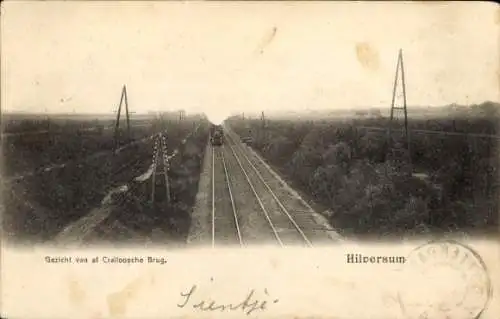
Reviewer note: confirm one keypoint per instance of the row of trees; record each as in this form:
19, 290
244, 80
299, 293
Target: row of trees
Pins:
345, 169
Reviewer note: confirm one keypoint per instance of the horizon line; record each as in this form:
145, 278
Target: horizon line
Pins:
307, 109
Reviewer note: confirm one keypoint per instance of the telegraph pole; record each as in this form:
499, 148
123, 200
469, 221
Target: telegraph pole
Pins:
123, 100
262, 132
398, 135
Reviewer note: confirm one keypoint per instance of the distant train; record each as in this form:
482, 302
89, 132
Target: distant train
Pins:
217, 135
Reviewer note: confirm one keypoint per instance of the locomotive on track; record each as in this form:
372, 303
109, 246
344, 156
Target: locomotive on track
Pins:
217, 135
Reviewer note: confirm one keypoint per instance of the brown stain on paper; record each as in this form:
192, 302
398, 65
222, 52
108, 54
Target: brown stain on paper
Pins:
76, 293
367, 56
117, 302
274, 263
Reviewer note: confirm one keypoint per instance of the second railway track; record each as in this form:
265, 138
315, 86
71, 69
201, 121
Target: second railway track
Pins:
249, 205
224, 217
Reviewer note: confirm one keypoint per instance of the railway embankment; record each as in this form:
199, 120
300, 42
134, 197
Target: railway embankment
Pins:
199, 231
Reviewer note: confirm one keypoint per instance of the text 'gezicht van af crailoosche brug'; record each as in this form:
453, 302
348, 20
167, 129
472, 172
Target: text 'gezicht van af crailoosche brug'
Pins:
106, 260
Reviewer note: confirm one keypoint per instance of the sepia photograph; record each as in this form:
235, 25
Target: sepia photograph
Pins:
183, 125
180, 141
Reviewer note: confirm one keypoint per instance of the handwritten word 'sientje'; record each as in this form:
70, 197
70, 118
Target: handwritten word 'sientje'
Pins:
247, 305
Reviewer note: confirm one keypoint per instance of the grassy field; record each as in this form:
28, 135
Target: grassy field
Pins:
340, 165
54, 174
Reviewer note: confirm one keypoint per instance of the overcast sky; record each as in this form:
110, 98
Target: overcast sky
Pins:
225, 57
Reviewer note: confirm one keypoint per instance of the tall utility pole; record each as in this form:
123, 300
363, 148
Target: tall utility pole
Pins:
160, 146
261, 133
182, 115
123, 99
398, 135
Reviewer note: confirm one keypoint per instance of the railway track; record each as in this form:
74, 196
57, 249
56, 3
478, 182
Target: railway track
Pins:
303, 217
262, 210
225, 224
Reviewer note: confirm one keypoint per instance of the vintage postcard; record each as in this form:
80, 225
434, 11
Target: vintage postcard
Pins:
250, 159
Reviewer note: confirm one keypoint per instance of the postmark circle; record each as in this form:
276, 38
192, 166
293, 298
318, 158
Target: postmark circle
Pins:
444, 280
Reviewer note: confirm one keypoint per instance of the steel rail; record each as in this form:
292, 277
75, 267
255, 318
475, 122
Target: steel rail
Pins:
280, 204
235, 214
266, 213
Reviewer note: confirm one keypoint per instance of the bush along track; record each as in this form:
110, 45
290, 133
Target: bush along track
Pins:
342, 170
161, 221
